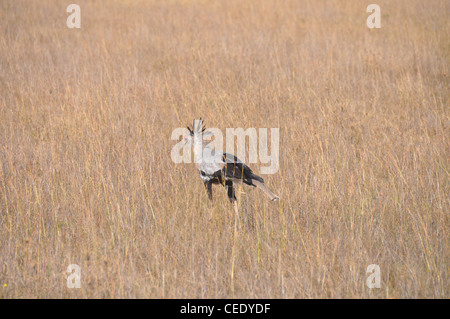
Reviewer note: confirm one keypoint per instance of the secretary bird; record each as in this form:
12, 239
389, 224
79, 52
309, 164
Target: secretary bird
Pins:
216, 167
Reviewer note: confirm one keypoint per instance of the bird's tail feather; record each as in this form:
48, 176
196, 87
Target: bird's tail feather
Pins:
257, 178
263, 187
249, 175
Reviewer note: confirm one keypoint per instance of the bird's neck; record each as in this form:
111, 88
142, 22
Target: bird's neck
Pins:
198, 149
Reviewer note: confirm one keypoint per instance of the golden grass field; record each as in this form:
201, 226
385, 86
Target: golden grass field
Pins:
86, 175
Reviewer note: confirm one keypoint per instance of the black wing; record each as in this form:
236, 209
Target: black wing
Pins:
235, 169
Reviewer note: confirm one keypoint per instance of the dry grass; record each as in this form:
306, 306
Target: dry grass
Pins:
86, 176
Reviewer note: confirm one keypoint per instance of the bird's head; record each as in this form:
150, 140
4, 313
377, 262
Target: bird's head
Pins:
196, 133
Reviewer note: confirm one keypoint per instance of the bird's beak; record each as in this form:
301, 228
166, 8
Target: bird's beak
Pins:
185, 139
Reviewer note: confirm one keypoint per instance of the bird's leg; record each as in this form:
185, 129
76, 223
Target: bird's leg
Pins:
232, 198
208, 186
235, 207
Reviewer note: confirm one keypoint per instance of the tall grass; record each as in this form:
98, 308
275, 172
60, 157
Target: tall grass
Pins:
86, 176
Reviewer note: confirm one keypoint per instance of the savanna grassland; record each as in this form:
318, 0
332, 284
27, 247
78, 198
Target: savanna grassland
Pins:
86, 176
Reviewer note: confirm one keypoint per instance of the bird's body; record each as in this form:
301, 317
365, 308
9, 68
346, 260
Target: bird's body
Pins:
217, 167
